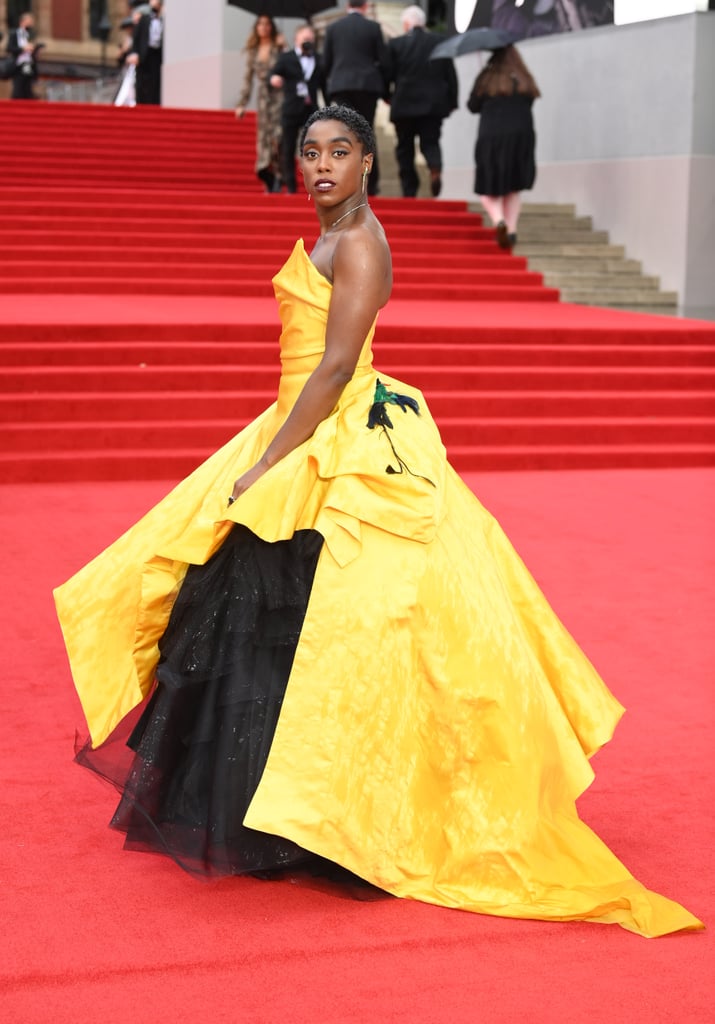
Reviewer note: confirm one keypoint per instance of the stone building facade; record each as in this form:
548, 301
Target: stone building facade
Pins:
70, 31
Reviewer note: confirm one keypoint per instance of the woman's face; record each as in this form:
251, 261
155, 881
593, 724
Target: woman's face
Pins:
264, 28
332, 162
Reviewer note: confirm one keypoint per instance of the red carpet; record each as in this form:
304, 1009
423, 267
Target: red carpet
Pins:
165, 201
138, 331
96, 387
101, 380
628, 560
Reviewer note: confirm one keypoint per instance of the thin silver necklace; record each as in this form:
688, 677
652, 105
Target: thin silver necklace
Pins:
354, 210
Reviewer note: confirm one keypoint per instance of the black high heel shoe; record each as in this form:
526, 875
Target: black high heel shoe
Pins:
502, 235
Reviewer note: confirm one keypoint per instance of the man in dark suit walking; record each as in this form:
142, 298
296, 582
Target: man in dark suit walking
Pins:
22, 50
424, 92
147, 54
355, 62
299, 73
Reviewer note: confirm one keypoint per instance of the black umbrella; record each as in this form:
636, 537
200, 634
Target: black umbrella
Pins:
284, 8
472, 40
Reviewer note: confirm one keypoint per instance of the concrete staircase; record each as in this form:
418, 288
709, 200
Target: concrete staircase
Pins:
558, 243
582, 263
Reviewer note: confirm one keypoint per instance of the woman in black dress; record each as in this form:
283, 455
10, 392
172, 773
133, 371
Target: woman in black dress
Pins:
504, 154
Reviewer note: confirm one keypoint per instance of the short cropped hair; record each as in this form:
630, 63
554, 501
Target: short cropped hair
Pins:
353, 121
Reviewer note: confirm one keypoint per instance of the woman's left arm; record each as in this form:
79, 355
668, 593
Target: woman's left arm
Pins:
362, 282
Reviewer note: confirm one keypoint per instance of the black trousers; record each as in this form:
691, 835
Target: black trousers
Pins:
290, 130
365, 103
149, 78
22, 87
428, 130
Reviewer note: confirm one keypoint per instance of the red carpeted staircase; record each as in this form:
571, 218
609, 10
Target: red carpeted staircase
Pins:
99, 200
144, 206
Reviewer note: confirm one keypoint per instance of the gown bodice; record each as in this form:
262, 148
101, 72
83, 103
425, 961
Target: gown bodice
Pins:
303, 296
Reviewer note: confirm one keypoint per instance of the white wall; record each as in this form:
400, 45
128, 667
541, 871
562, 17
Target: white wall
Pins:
203, 58
625, 130
203, 53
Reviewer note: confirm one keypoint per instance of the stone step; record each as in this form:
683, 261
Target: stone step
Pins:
626, 298
583, 265
554, 224
551, 226
599, 282
534, 209
530, 234
651, 310
571, 250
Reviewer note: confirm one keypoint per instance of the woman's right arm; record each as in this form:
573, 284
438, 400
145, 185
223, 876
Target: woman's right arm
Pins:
362, 280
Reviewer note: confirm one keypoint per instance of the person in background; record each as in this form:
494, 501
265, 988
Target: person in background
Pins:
355, 62
263, 47
423, 93
126, 94
502, 95
21, 47
299, 74
147, 54
126, 40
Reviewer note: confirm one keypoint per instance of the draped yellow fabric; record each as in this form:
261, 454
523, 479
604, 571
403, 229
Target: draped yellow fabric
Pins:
438, 720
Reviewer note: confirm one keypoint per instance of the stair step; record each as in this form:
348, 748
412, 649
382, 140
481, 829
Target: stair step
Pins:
239, 255
570, 250
149, 241
555, 330
172, 464
43, 438
261, 272
236, 208
115, 406
259, 288
228, 225
575, 282
584, 265
149, 378
626, 298
533, 235
252, 353
535, 209
554, 224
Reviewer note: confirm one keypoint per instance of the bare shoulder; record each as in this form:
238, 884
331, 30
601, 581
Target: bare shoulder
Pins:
362, 256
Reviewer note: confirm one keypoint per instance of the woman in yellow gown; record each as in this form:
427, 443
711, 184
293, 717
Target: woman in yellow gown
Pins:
325, 647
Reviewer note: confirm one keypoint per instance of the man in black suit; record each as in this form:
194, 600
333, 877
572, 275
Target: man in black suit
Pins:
424, 92
22, 50
355, 62
299, 73
147, 54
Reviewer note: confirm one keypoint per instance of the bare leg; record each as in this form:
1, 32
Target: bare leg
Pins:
494, 206
512, 208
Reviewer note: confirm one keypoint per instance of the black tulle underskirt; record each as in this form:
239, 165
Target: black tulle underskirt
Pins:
189, 761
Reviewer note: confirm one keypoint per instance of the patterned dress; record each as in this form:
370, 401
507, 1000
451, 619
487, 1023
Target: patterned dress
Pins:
268, 107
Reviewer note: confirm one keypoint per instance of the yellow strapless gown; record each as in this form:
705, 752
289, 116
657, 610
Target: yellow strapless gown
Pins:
438, 719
